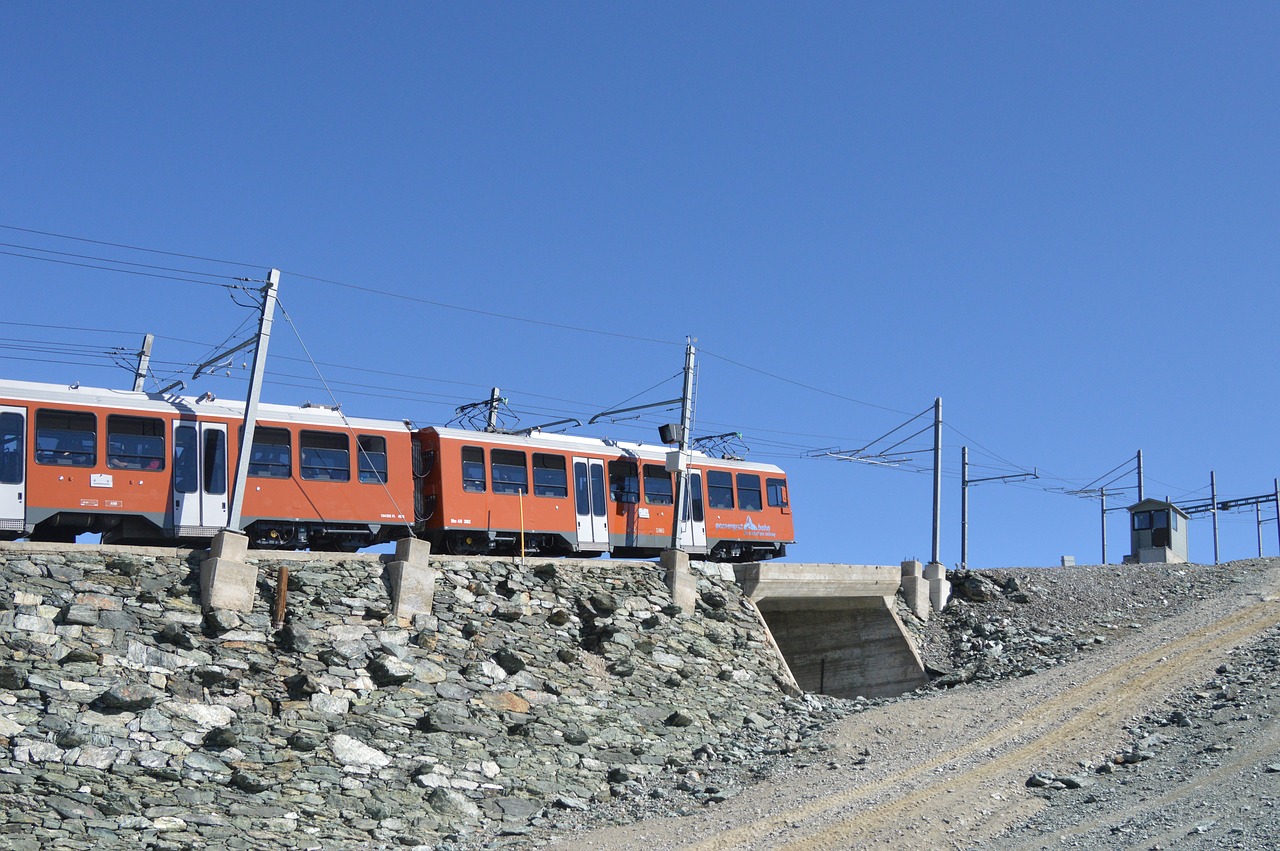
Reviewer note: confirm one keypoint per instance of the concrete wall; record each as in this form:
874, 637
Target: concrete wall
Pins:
836, 627
845, 647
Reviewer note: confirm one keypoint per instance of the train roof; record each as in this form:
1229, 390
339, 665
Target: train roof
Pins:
76, 394
578, 443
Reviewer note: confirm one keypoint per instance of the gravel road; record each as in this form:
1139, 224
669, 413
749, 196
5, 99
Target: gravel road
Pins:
1085, 707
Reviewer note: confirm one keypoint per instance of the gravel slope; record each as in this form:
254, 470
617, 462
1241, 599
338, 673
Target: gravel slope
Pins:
1092, 707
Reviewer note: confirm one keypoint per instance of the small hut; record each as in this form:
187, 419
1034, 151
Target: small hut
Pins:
1157, 533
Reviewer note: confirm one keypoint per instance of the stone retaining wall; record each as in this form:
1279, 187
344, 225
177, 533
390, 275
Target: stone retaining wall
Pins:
130, 719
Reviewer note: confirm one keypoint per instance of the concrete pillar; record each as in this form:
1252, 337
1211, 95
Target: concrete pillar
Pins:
227, 580
680, 581
412, 580
939, 588
915, 590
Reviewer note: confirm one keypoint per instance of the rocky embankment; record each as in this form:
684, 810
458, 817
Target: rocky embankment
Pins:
130, 719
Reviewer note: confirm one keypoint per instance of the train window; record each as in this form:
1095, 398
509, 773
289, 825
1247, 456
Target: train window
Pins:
215, 461
135, 443
473, 477
325, 456
624, 482
272, 455
11, 449
776, 491
749, 492
509, 472
373, 458
719, 489
66, 438
186, 466
549, 477
657, 485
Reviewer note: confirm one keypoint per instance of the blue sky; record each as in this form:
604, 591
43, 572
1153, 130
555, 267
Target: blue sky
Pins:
1060, 218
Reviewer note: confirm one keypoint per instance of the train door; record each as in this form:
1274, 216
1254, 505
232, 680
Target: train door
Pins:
199, 477
589, 494
13, 458
693, 526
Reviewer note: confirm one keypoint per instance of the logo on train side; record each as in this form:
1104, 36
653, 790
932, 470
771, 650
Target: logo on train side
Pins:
747, 527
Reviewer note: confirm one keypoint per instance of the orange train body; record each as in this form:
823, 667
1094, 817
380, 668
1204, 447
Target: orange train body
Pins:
145, 468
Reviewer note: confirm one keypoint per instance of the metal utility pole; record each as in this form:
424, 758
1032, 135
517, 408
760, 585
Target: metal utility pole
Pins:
1213, 498
937, 480
965, 481
144, 361
1140, 481
1257, 516
1276, 495
964, 508
255, 393
1104, 525
686, 423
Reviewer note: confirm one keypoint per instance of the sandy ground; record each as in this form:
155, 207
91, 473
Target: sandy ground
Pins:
950, 769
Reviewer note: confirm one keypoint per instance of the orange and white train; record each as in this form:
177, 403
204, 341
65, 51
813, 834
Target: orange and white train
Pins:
151, 469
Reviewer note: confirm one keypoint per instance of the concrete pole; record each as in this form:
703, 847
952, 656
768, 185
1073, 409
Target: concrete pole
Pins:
964, 508
686, 423
255, 393
1213, 497
144, 360
937, 480
494, 398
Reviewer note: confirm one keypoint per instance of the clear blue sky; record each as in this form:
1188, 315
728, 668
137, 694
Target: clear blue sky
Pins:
1060, 218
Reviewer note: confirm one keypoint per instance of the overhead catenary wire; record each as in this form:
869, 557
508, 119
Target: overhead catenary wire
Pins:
158, 271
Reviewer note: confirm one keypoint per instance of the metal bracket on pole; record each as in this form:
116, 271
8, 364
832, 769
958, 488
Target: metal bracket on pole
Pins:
965, 482
666, 404
255, 393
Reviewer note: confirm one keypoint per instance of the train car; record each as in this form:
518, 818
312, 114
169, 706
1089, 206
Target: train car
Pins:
145, 468
482, 492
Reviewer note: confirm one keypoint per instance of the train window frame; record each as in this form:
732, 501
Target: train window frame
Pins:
270, 465
553, 482
695, 498
59, 426
372, 452
657, 473
750, 497
324, 456
12, 448
148, 444
503, 467
719, 485
186, 459
214, 474
776, 493
475, 479
624, 482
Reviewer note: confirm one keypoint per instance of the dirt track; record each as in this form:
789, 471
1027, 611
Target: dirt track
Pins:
949, 770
